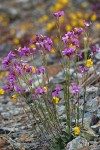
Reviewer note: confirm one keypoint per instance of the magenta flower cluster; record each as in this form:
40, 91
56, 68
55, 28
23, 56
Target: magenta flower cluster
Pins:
71, 42
75, 88
56, 91
58, 14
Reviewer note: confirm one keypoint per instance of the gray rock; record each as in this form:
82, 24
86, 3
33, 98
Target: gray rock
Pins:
97, 56
79, 75
95, 128
77, 144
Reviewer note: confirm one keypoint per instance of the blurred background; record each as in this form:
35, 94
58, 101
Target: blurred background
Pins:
21, 19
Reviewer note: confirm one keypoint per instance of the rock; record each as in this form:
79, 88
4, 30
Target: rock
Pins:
79, 75
78, 144
92, 89
92, 105
96, 148
94, 120
97, 56
61, 109
95, 128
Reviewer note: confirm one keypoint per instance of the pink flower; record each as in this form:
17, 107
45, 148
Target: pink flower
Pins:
75, 88
58, 14
86, 25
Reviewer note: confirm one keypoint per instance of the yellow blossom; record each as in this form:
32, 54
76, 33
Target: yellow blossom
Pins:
50, 26
1, 92
72, 16
72, 46
93, 17
45, 88
79, 14
52, 50
61, 19
33, 69
86, 16
98, 25
16, 41
6, 73
68, 27
76, 130
89, 63
56, 99
14, 97
45, 17
58, 6
80, 22
63, 1
32, 46
74, 23
12, 31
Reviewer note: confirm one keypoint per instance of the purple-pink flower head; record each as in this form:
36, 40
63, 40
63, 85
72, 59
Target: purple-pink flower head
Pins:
68, 52
95, 49
57, 88
40, 70
19, 89
86, 25
78, 31
58, 14
7, 60
40, 90
80, 55
83, 69
33, 50
25, 51
55, 93
75, 42
11, 76
9, 86
75, 88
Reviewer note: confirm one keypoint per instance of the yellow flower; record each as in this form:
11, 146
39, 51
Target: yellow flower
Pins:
76, 130
45, 18
61, 19
32, 46
56, 99
93, 17
72, 46
1, 92
33, 69
74, 23
68, 27
50, 26
14, 97
16, 41
72, 16
89, 63
98, 25
53, 50
12, 31
80, 22
63, 1
6, 73
79, 14
86, 16
45, 88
